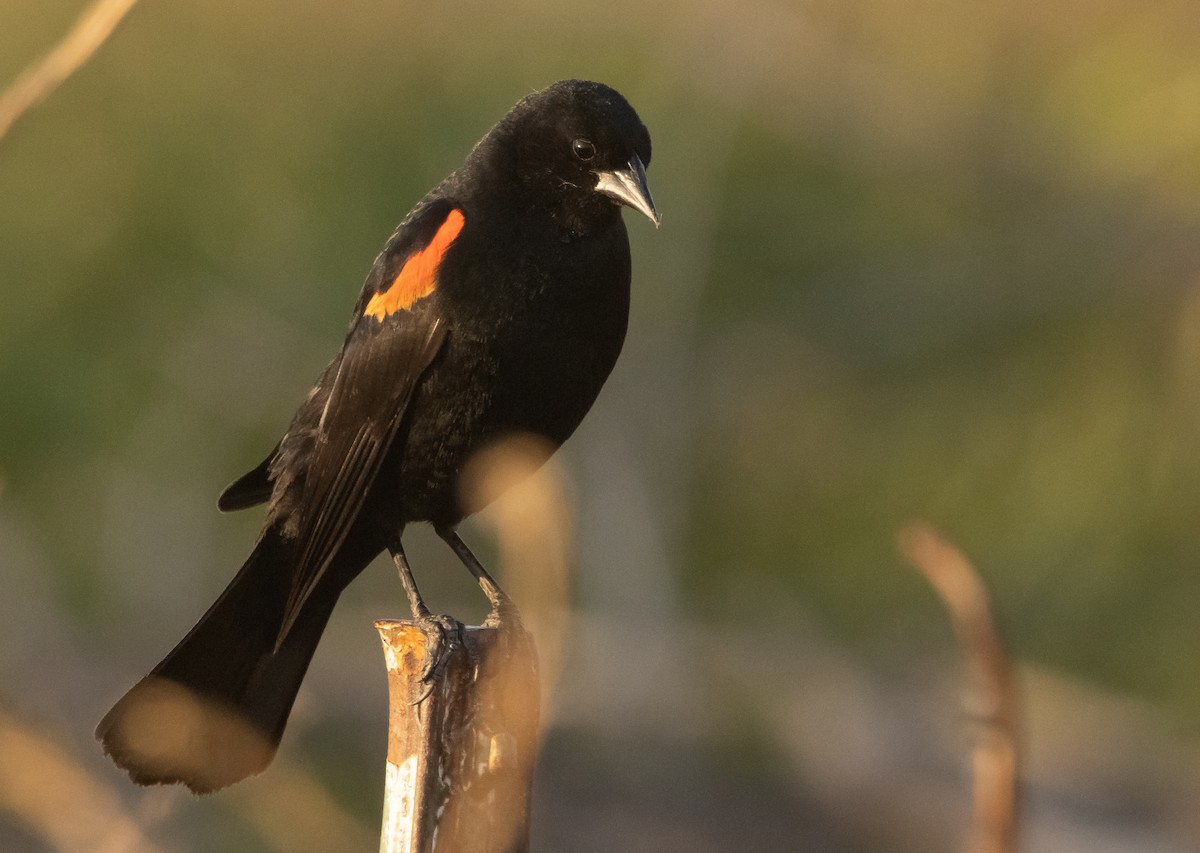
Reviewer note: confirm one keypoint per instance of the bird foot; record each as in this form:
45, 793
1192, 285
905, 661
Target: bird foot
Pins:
442, 634
505, 616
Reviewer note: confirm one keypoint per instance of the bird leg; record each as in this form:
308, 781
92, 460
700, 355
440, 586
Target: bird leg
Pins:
441, 631
504, 612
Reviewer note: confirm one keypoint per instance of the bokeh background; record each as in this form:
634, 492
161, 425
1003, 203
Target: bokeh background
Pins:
935, 259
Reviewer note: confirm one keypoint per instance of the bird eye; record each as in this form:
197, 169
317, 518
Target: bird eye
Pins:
583, 149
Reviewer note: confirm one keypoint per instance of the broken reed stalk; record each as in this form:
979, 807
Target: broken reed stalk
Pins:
460, 761
993, 689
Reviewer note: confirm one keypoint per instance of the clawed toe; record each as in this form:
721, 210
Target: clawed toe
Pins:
504, 615
442, 635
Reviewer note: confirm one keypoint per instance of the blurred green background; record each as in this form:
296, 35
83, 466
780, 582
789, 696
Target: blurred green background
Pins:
937, 259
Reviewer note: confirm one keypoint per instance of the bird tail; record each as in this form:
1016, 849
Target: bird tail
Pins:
213, 711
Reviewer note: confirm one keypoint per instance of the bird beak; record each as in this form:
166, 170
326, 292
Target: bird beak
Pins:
628, 186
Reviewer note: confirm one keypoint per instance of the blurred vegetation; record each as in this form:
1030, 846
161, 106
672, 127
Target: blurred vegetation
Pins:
934, 259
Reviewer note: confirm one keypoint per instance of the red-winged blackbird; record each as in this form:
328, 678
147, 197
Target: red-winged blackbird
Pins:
498, 306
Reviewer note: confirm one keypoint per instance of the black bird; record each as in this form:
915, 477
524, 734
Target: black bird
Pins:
498, 306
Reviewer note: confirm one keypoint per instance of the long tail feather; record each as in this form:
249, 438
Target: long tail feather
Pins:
213, 711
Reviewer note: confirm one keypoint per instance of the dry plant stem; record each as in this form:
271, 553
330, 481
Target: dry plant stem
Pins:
460, 761
994, 760
37, 81
57, 800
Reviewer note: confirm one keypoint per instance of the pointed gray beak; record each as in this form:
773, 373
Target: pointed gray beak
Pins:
628, 186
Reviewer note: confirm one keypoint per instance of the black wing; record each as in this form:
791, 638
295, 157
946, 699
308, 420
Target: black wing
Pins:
392, 341
366, 407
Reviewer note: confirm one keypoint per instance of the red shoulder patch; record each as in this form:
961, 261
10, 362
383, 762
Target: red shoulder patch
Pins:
418, 277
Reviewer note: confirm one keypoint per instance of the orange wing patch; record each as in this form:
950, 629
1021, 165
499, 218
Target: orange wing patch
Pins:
418, 277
